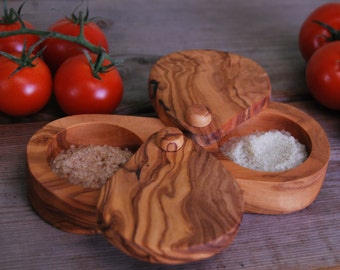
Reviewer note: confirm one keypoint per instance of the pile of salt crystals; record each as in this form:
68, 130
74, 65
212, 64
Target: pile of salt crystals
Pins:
270, 151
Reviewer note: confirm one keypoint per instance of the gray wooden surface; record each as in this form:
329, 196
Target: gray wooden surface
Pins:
140, 31
263, 30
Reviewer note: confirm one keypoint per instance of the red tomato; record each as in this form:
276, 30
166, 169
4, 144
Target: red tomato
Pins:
25, 92
323, 76
312, 35
77, 91
57, 50
16, 43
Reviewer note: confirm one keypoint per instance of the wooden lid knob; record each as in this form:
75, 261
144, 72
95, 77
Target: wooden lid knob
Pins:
198, 115
233, 89
170, 139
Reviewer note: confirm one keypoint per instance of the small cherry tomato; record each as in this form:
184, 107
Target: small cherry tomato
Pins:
58, 50
78, 91
323, 75
10, 22
319, 28
26, 91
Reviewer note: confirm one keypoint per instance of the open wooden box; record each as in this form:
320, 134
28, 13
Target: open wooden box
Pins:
214, 96
70, 207
179, 199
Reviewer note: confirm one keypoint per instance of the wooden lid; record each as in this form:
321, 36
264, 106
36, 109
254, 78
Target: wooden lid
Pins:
165, 206
207, 93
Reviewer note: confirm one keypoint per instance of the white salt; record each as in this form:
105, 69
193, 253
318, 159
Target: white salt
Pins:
269, 151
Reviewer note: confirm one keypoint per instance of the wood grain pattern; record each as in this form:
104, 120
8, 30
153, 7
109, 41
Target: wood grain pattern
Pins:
166, 207
231, 87
70, 207
290, 190
307, 239
264, 30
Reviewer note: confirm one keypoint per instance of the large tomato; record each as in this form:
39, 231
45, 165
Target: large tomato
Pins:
16, 43
323, 76
313, 35
25, 92
78, 91
58, 50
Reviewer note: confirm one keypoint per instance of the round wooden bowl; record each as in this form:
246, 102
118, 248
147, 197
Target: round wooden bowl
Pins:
66, 206
290, 190
212, 96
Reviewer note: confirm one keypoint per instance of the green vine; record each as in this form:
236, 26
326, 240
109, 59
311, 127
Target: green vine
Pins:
80, 39
12, 16
97, 66
26, 58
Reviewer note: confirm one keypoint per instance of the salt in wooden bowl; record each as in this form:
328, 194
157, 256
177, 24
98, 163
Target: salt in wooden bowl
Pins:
162, 206
66, 206
213, 95
289, 190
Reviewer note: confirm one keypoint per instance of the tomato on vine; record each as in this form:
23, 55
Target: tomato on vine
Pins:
320, 27
25, 84
58, 50
11, 21
323, 77
96, 85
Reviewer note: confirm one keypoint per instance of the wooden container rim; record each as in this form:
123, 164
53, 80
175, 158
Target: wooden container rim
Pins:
318, 147
38, 146
44, 184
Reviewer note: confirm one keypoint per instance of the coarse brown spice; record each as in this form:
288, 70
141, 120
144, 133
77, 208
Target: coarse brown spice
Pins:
89, 166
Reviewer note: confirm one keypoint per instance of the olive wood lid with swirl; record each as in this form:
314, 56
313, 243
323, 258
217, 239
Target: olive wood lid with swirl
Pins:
172, 202
207, 93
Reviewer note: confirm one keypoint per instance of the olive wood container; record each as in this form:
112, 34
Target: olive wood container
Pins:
290, 190
212, 96
66, 206
179, 199
159, 207
164, 206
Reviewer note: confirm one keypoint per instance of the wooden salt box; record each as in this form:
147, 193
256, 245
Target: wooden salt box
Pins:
179, 199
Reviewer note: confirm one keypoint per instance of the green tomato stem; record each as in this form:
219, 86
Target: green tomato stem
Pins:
75, 39
335, 33
79, 39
